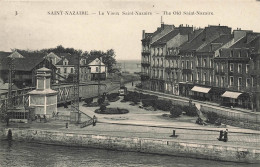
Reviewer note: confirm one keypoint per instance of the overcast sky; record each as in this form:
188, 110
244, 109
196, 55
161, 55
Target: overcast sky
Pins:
34, 28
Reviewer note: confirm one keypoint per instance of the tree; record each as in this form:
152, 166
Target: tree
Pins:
109, 59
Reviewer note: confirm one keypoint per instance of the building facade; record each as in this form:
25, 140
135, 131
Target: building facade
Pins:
212, 63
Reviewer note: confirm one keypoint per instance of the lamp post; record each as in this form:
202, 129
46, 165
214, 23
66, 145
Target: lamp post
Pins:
12, 57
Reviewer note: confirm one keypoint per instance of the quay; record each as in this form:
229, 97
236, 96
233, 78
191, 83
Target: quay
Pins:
143, 142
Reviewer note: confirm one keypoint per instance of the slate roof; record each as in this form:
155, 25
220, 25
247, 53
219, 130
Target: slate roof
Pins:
205, 37
27, 63
72, 59
167, 37
223, 39
193, 44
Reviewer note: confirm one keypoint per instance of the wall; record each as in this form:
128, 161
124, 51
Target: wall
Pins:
145, 145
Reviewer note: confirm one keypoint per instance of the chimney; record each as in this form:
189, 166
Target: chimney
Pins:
162, 24
143, 34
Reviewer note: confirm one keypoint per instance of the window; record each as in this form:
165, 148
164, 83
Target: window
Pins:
211, 63
222, 67
191, 65
198, 76
252, 81
204, 62
192, 77
247, 68
217, 81
231, 81
210, 79
222, 81
247, 82
217, 67
239, 68
176, 63
197, 61
97, 69
162, 62
71, 70
231, 53
204, 77
187, 64
182, 64
239, 53
58, 70
65, 70
231, 67
239, 83
161, 73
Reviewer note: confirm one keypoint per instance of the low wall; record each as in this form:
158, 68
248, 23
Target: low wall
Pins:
144, 145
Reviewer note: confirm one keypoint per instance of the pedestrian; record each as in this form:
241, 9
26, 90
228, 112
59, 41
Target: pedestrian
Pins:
94, 120
7, 120
220, 135
225, 135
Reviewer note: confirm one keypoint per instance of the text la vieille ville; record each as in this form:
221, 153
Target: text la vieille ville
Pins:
129, 13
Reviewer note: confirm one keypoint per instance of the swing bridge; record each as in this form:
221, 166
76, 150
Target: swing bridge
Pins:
20, 97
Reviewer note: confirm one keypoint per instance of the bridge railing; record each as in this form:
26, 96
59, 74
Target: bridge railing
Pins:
20, 97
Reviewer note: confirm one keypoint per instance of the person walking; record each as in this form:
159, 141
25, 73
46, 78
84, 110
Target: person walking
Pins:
94, 120
220, 135
225, 135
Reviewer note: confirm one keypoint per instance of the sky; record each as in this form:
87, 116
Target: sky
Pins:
33, 28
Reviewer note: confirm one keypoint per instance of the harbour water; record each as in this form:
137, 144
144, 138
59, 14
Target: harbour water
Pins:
130, 66
32, 154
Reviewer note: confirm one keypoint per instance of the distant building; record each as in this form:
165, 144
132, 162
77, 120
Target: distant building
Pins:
90, 67
97, 68
25, 68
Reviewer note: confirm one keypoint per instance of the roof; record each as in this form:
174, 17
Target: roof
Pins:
27, 63
72, 59
167, 37
172, 34
223, 39
205, 37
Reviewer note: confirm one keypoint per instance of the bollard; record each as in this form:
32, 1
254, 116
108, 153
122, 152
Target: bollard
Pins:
9, 135
174, 134
67, 125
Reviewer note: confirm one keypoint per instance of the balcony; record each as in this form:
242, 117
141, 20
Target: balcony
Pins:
145, 52
206, 83
145, 63
187, 71
220, 73
144, 76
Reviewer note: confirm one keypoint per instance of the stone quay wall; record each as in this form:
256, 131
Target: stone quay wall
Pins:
136, 144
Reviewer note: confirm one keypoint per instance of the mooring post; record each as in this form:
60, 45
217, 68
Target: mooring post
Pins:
9, 135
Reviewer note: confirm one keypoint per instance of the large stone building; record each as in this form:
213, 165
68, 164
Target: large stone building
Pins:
212, 64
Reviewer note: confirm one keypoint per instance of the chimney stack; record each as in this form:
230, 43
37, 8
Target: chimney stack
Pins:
143, 35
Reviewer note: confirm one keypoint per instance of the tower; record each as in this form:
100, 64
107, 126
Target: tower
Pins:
43, 98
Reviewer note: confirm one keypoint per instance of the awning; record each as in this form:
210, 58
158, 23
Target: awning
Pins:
200, 89
229, 94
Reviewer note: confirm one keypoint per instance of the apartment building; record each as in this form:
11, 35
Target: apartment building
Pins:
212, 64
